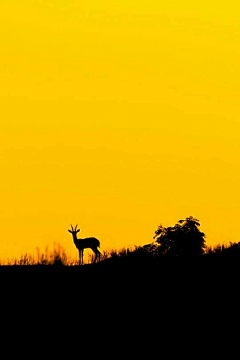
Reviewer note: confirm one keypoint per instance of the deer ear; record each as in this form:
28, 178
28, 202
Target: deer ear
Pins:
70, 231
78, 230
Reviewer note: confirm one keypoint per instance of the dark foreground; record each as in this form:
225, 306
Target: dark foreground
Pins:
122, 293
127, 272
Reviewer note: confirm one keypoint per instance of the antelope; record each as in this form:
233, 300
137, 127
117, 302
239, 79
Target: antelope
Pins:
87, 243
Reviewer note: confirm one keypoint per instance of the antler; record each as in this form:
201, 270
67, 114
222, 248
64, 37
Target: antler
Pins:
74, 230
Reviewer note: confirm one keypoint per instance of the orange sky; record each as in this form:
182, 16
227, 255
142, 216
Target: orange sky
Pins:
117, 116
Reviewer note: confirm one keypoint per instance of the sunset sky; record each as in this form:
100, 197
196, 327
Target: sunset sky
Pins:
118, 116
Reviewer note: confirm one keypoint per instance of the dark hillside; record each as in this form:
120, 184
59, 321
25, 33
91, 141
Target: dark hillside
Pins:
127, 270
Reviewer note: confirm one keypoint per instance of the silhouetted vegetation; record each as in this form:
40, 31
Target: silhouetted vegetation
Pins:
176, 265
232, 249
183, 239
57, 256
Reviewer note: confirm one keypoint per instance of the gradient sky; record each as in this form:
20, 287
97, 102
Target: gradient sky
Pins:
118, 116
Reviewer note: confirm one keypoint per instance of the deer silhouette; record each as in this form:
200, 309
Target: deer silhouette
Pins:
87, 243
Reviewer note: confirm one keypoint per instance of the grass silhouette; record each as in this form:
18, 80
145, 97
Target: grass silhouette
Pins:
59, 257
131, 274
182, 241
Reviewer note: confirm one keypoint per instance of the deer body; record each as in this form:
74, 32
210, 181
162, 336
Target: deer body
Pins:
87, 243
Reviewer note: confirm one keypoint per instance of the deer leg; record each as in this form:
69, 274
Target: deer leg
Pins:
98, 255
81, 257
94, 256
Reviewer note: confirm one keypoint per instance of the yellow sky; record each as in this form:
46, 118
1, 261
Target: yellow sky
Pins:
118, 116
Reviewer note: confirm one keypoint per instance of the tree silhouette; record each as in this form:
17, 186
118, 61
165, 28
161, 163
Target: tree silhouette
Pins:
183, 239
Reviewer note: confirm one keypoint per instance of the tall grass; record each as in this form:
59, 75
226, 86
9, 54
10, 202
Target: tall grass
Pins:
59, 257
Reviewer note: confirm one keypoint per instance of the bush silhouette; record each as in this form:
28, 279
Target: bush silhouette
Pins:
183, 239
